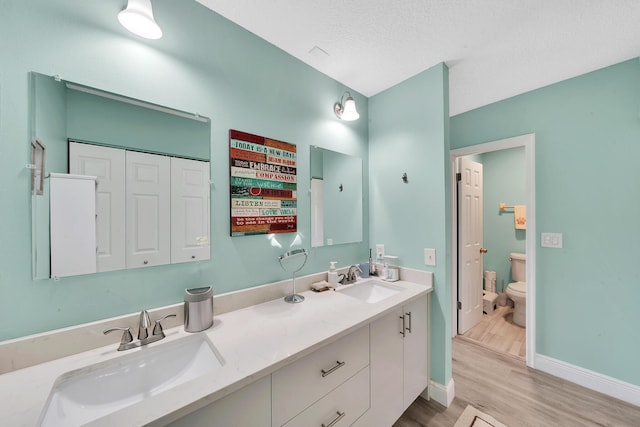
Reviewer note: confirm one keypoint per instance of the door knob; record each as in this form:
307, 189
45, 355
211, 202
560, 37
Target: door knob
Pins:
483, 250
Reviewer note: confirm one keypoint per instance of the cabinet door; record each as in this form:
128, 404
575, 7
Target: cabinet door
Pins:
108, 165
73, 224
189, 210
386, 365
416, 349
248, 407
148, 210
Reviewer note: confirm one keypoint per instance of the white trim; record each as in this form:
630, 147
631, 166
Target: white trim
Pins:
442, 394
528, 142
593, 380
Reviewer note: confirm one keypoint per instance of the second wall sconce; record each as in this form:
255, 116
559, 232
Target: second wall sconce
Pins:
346, 108
138, 18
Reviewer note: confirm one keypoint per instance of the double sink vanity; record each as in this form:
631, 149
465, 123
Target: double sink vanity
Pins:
356, 356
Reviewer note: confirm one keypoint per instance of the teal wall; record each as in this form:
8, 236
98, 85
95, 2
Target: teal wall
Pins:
93, 118
205, 64
504, 180
409, 132
587, 144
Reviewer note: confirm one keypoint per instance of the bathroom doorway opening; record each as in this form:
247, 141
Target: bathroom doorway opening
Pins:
526, 143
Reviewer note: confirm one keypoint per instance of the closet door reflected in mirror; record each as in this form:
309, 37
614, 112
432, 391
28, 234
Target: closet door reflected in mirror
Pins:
151, 209
108, 165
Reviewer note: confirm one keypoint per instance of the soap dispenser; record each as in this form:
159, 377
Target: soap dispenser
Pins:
332, 276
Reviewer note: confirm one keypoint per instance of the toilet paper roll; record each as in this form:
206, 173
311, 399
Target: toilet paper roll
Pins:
490, 278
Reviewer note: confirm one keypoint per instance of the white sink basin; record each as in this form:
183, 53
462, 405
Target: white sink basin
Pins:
371, 291
87, 394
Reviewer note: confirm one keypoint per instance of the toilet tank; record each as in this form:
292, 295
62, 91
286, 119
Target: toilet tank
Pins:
518, 262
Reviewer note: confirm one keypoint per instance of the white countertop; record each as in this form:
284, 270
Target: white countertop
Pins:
254, 342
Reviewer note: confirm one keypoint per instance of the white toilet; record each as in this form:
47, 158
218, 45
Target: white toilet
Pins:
517, 290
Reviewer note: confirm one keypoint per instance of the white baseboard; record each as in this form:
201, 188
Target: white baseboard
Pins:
442, 394
613, 387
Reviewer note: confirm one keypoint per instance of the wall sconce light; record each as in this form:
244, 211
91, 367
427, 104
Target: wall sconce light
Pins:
138, 18
346, 109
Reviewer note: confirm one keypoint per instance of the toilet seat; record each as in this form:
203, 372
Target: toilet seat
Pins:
518, 288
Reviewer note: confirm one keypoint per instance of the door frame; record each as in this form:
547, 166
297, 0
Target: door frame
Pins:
528, 142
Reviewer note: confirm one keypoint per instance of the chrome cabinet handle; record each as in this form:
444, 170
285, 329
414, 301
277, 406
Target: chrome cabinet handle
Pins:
332, 370
403, 326
335, 420
409, 314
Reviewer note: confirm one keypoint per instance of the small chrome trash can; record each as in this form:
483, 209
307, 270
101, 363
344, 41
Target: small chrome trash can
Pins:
198, 309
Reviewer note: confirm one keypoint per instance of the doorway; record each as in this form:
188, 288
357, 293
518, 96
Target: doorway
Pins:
528, 143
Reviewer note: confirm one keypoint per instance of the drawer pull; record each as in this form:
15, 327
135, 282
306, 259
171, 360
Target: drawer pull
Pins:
332, 370
335, 420
409, 314
403, 326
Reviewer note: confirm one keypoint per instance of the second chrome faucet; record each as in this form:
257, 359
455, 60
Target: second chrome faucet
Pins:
127, 342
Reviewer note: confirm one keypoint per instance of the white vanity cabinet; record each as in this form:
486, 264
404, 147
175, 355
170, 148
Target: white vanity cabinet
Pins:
399, 362
73, 223
332, 380
248, 407
341, 407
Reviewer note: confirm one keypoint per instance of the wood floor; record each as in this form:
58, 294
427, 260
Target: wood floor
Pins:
497, 331
502, 386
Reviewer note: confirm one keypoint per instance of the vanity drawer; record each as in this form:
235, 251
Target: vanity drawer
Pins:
299, 385
342, 407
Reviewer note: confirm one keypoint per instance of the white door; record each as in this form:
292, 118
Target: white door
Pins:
107, 164
148, 210
189, 210
470, 248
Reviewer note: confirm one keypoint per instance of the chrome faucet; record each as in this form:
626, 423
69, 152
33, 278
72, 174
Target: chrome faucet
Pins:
127, 342
351, 275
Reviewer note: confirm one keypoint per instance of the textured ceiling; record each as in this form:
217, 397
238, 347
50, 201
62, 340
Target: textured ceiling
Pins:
495, 49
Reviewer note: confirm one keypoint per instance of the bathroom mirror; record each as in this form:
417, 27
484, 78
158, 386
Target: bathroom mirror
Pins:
61, 111
336, 198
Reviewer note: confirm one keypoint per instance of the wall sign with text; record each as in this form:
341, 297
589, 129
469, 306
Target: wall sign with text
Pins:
263, 185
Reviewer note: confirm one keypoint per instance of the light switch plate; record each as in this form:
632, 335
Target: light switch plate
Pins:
551, 240
430, 257
379, 251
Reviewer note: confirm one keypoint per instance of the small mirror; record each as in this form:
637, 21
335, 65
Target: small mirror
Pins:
336, 198
113, 126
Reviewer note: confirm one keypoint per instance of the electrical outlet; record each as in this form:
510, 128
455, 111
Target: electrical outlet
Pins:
430, 257
379, 251
551, 240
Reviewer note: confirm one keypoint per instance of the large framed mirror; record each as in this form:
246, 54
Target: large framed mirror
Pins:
106, 126
336, 198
